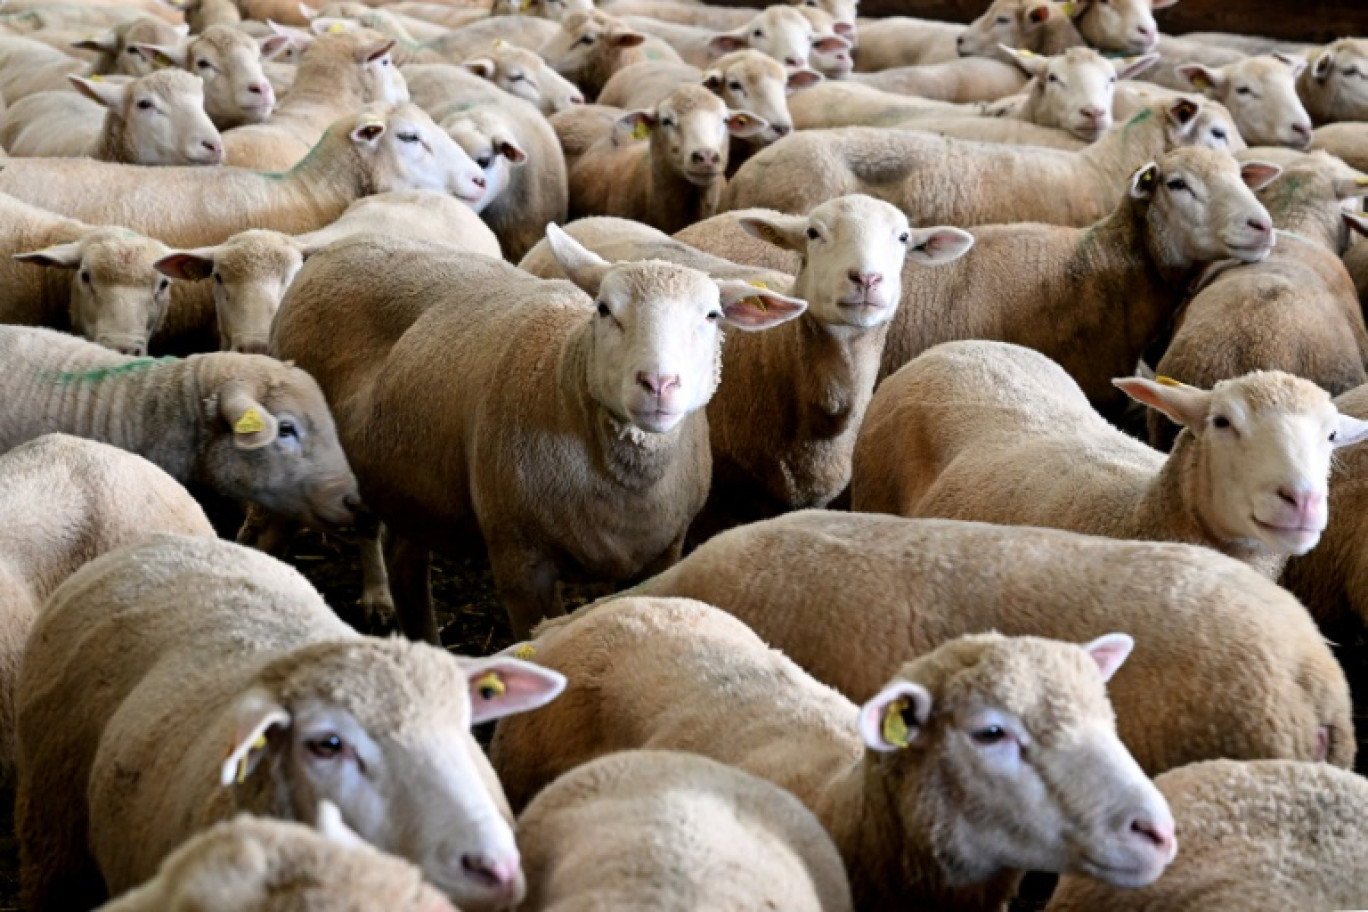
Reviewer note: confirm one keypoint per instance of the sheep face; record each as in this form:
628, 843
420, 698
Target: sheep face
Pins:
1261, 94
830, 54
853, 248
780, 32
843, 15
1028, 778
525, 74
1014, 23
656, 332
381, 729
1265, 442
1335, 85
1119, 26
1200, 207
1075, 90
690, 133
272, 442
750, 81
236, 90
491, 144
402, 149
250, 273
585, 40
160, 118
118, 299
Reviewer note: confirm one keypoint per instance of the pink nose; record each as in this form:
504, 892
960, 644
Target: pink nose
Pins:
865, 280
1096, 115
213, 148
576, 99
1302, 129
499, 873
1307, 503
845, 29
261, 88
705, 157
658, 385
793, 61
1262, 226
478, 181
1145, 31
1157, 832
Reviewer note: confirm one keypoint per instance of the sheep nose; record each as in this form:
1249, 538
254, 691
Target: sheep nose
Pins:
705, 157
1160, 833
576, 99
136, 349
259, 88
865, 280
1260, 225
1306, 501
478, 181
1303, 130
1145, 31
214, 149
845, 29
793, 62
498, 873
1093, 114
658, 385
782, 129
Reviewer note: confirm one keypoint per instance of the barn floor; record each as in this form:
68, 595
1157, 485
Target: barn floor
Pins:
474, 623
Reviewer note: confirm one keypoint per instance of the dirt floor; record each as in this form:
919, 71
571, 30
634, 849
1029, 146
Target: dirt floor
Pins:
474, 623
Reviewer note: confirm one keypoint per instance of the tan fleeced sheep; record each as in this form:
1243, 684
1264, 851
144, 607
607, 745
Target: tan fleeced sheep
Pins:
1346, 140
1258, 679
1035, 25
231, 63
1256, 837
156, 119
971, 763
65, 501
671, 831
782, 32
245, 426
28, 66
945, 181
594, 463
372, 151
1261, 94
256, 864
1332, 86
590, 47
524, 74
465, 41
220, 680
964, 80
114, 50
993, 432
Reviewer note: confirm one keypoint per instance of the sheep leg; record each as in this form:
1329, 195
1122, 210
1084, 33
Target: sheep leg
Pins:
266, 532
526, 581
410, 570
376, 600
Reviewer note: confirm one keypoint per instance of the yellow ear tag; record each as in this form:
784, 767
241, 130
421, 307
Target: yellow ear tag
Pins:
1069, 8
258, 744
525, 652
1361, 181
491, 686
769, 234
525, 6
337, 28
97, 78
894, 727
249, 423
641, 130
1022, 52
500, 43
759, 302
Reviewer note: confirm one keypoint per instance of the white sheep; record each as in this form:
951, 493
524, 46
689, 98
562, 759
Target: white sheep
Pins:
945, 181
524, 74
256, 864
1073, 91
1346, 140
231, 63
1256, 836
852, 596
247, 427
720, 18
1035, 25
934, 790
963, 80
378, 149
992, 432
590, 47
154, 120
661, 829
465, 41
222, 680
1118, 26
65, 501
1332, 86
28, 66
780, 31
113, 51
606, 422
1261, 94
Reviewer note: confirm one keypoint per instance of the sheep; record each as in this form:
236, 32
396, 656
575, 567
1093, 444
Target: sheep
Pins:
203, 14
256, 864
944, 181
28, 66
646, 829
252, 270
618, 432
162, 654
395, 24
236, 89
462, 43
830, 53
672, 179
781, 32
1332, 86
900, 41
921, 787
1247, 475
1264, 835
153, 120
967, 79
722, 18
524, 74
590, 47
1120, 27
1346, 141
21, 18
538, 191
1175, 53
65, 501
245, 426
1258, 678
378, 149
1250, 44
1297, 311
115, 50
843, 103
99, 282
1261, 94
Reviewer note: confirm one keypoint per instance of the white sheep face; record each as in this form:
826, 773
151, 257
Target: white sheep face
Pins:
1014, 23
236, 90
404, 150
490, 144
380, 78
526, 75
1266, 441
1074, 91
1120, 26
585, 38
750, 81
830, 53
1200, 122
691, 131
1261, 94
161, 117
780, 32
118, 299
1337, 82
843, 15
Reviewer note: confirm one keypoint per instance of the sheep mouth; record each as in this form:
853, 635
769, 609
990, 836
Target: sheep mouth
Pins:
1296, 539
1130, 876
703, 177
1253, 252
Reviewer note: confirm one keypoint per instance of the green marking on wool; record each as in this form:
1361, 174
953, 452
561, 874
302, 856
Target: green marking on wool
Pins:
104, 373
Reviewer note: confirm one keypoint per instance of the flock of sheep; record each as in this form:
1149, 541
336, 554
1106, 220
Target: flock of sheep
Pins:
395, 279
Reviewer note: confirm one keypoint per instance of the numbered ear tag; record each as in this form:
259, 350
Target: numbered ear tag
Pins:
894, 726
491, 686
249, 423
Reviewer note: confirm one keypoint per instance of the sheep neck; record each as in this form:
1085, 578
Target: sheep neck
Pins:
1305, 215
323, 90
113, 144
672, 202
327, 180
1123, 149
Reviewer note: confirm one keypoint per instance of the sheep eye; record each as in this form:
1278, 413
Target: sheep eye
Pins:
1220, 421
734, 86
759, 34
144, 105
1243, 90
1351, 71
133, 51
1334, 435
586, 41
992, 734
516, 77
287, 429
813, 234
408, 137
218, 278
483, 161
603, 310
163, 285
1052, 78
1219, 133
667, 122
904, 238
1177, 184
85, 276
202, 64
716, 315
1004, 20
325, 748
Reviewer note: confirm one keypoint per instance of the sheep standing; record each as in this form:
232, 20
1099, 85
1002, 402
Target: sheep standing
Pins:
645, 829
224, 680
991, 432
1264, 835
920, 787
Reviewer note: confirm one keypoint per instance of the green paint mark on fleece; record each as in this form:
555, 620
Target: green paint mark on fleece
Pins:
103, 373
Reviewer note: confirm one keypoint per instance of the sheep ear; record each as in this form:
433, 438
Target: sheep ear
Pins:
1183, 111
256, 713
752, 307
581, 266
783, 231
1128, 67
105, 94
727, 42
1030, 63
712, 80
1202, 78
895, 716
1258, 174
625, 38
1356, 222
187, 265
1184, 404
109, 41
744, 123
1110, 652
501, 686
1039, 14
298, 37
162, 55
253, 426
1349, 430
935, 246
60, 256
272, 46
1324, 66
481, 66
511, 151
1144, 180
802, 79
329, 823
368, 132
373, 51
1298, 64
638, 123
